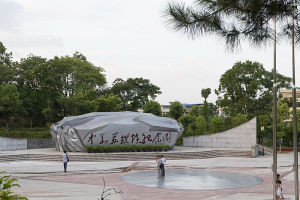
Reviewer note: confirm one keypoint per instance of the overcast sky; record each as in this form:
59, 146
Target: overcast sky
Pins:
128, 38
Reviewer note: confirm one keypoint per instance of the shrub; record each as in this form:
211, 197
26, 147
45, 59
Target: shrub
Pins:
126, 148
6, 185
26, 133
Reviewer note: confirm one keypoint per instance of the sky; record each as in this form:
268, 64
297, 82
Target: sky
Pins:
129, 39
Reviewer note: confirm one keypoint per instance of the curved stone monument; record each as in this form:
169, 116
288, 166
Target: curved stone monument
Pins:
114, 128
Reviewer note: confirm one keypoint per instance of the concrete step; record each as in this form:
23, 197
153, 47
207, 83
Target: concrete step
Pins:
126, 156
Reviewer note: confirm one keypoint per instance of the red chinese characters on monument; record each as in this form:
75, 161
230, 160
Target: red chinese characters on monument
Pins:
91, 138
135, 137
114, 138
124, 139
146, 138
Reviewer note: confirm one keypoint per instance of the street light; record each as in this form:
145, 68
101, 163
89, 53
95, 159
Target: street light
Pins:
262, 140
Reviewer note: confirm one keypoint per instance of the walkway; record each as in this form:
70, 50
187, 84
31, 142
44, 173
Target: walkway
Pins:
44, 180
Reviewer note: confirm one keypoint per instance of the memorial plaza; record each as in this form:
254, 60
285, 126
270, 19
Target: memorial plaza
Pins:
41, 177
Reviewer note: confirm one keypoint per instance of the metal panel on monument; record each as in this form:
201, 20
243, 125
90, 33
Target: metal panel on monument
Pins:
114, 128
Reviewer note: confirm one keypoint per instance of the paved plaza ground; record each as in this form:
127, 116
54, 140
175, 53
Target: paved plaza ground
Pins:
43, 180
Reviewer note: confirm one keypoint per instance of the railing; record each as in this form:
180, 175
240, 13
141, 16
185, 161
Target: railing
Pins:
264, 151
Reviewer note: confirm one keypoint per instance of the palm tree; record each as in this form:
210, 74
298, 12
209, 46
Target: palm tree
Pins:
236, 20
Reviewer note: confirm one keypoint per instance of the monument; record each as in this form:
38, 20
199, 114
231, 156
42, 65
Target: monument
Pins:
114, 128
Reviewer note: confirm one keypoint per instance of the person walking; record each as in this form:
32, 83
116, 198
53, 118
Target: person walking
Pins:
158, 161
279, 195
163, 161
65, 161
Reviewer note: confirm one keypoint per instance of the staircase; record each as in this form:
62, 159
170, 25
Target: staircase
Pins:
127, 156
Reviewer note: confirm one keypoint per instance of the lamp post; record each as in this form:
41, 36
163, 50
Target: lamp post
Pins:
262, 139
295, 142
274, 166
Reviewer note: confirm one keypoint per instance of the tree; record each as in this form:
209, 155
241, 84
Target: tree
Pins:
75, 74
6, 66
246, 88
195, 111
107, 103
205, 93
32, 92
9, 102
185, 120
200, 124
233, 20
239, 119
176, 110
283, 114
217, 124
152, 107
134, 92
262, 121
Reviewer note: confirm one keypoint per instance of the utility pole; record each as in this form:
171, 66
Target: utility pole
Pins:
274, 117
294, 108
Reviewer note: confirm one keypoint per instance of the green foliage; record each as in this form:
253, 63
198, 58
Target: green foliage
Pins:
228, 122
217, 124
195, 111
239, 119
9, 101
283, 114
107, 103
7, 74
126, 148
6, 185
200, 124
38, 90
152, 107
26, 133
134, 92
247, 88
185, 120
233, 21
205, 93
176, 110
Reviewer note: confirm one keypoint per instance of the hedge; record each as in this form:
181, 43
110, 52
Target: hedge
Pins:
26, 133
127, 148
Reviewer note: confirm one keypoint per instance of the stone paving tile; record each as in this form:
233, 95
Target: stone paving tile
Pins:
262, 191
43, 179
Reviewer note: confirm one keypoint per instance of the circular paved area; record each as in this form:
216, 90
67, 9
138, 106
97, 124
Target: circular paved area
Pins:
192, 179
45, 180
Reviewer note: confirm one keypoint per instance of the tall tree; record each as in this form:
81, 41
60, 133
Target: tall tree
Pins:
283, 115
205, 108
6, 66
246, 88
32, 93
9, 102
205, 93
108, 103
176, 110
152, 107
134, 92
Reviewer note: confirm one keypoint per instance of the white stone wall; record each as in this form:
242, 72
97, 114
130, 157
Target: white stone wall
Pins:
241, 137
11, 144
